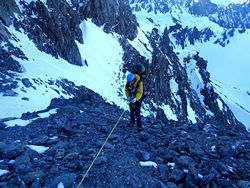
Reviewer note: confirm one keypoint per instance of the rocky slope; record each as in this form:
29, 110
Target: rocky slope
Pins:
207, 154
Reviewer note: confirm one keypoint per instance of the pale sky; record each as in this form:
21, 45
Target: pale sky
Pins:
224, 2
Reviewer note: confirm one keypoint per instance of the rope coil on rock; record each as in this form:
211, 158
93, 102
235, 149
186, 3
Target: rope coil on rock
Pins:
100, 149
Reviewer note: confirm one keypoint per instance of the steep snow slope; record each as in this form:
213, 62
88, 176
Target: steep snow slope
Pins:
230, 69
104, 58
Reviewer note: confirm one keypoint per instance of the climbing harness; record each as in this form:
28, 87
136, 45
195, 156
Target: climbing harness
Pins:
100, 149
133, 89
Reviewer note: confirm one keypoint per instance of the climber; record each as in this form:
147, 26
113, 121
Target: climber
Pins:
134, 92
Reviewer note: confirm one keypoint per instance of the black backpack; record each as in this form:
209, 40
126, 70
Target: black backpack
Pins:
140, 70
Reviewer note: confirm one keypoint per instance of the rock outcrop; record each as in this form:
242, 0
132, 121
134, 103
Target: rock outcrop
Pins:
114, 16
53, 27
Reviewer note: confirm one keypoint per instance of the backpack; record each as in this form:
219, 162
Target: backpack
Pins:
140, 70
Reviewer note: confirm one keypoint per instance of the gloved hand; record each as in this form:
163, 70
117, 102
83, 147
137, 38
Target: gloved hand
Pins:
133, 100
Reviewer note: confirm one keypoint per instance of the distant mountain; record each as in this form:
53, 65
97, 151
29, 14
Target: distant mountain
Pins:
232, 16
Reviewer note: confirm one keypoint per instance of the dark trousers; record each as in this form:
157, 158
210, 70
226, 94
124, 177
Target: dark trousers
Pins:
135, 110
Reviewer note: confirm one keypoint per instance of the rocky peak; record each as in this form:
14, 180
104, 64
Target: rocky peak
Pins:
202, 8
54, 25
59, 23
233, 16
7, 10
114, 15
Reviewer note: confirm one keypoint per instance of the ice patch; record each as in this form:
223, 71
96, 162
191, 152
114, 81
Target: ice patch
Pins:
2, 172
54, 137
169, 113
191, 112
171, 164
148, 163
17, 122
213, 148
47, 114
38, 149
22, 123
220, 104
11, 161
60, 185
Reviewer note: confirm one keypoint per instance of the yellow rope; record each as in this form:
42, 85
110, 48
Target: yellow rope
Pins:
100, 150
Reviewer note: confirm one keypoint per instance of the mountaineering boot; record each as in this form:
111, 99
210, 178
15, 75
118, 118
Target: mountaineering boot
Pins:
139, 127
132, 120
131, 124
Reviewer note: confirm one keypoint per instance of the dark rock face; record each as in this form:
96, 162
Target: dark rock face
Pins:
8, 82
192, 35
7, 50
26, 82
114, 15
4, 34
177, 176
7, 10
11, 151
202, 7
6, 60
54, 31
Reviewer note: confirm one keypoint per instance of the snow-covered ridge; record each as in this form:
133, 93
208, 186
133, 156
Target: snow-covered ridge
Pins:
227, 2
231, 16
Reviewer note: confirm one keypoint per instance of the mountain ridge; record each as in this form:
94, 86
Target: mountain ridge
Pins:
231, 16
